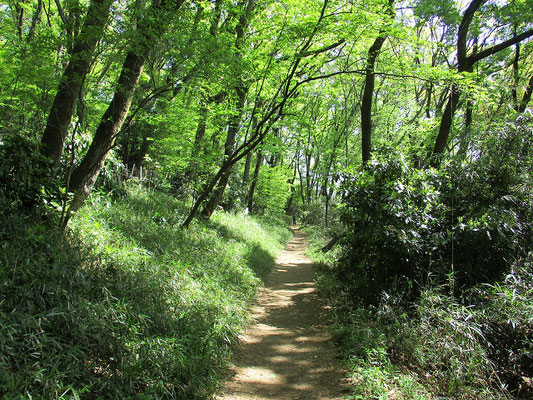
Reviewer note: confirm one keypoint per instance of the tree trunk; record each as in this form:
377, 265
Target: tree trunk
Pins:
368, 94
516, 76
288, 208
527, 96
247, 165
85, 175
465, 64
366, 101
192, 168
72, 80
241, 91
233, 128
255, 177
445, 126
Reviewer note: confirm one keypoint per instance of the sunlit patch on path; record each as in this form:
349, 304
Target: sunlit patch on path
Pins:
287, 353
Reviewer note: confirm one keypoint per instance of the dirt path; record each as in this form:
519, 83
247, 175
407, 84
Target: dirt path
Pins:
287, 353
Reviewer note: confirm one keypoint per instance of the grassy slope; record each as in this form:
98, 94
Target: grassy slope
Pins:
131, 305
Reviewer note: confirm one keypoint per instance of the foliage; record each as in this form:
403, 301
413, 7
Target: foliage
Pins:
430, 283
273, 189
407, 227
428, 249
24, 177
129, 305
473, 347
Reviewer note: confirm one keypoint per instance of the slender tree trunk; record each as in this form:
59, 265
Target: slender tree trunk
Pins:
366, 101
192, 168
233, 127
465, 139
368, 93
429, 92
229, 146
255, 178
288, 208
36, 17
72, 80
302, 195
445, 126
527, 96
516, 76
247, 165
20, 17
246, 177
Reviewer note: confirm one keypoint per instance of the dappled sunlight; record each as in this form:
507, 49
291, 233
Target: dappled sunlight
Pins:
287, 353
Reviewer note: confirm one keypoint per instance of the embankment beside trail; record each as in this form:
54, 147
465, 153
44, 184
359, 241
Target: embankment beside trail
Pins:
130, 305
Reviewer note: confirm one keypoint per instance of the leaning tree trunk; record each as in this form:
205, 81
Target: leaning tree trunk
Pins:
72, 80
241, 91
192, 168
445, 126
255, 177
527, 96
84, 177
233, 128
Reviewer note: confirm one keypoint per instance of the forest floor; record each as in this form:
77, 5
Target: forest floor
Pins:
287, 353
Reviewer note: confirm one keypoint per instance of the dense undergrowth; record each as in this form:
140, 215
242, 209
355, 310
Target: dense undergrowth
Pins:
478, 346
128, 304
432, 282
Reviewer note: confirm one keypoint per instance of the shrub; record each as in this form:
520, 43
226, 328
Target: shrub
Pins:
24, 174
407, 226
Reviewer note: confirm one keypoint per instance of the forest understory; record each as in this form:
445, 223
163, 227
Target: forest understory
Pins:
153, 154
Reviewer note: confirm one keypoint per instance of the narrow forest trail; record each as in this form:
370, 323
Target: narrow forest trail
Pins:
287, 353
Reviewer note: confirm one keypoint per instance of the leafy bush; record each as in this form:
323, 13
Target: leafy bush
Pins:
24, 174
391, 218
432, 285
506, 318
476, 346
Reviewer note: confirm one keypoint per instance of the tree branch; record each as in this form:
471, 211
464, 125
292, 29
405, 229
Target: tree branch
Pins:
496, 48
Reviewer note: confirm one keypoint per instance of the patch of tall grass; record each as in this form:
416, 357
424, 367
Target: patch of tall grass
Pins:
128, 305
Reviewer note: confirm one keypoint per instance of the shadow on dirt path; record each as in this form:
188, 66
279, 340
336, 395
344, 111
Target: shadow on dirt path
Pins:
287, 354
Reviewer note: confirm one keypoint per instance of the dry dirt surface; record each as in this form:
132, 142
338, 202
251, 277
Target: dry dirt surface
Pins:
287, 353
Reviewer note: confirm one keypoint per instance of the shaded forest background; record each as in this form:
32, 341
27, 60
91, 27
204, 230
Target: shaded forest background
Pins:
152, 154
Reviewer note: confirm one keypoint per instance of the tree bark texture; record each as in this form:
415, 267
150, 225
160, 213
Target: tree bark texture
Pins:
366, 101
368, 93
71, 82
527, 96
85, 175
241, 91
229, 146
